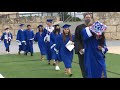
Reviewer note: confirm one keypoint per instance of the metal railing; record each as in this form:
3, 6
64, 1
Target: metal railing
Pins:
72, 17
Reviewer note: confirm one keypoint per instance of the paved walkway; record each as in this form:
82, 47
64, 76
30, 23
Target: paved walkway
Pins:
14, 48
113, 46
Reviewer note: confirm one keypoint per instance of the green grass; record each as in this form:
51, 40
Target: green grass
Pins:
20, 66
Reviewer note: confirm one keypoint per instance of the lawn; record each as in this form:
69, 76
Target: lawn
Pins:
20, 66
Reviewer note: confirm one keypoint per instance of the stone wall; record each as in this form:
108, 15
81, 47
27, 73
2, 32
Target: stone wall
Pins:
112, 20
34, 21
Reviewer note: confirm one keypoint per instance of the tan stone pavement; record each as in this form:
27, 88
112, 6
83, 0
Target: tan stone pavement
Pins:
113, 46
114, 49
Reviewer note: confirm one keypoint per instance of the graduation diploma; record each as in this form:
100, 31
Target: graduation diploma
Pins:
19, 43
47, 38
70, 46
6, 37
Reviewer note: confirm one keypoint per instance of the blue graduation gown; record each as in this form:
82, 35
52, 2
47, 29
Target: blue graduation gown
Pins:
40, 39
54, 45
29, 37
65, 55
7, 39
94, 59
21, 38
48, 49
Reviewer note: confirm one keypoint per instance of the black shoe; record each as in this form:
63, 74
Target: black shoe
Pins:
70, 75
19, 52
54, 64
25, 54
31, 54
48, 62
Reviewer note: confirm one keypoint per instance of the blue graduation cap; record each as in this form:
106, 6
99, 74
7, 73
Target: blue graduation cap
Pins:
40, 26
49, 20
21, 25
6, 28
66, 26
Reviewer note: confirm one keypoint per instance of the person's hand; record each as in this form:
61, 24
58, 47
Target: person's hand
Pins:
100, 47
81, 51
24, 42
57, 51
72, 43
93, 33
17, 41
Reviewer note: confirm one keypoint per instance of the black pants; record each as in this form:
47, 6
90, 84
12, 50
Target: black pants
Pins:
7, 49
81, 64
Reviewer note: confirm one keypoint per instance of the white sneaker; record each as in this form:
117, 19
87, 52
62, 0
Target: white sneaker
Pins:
57, 68
1, 76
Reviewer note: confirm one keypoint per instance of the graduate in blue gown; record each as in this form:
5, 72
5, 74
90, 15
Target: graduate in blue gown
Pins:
21, 38
94, 54
39, 37
48, 30
29, 37
54, 45
7, 37
66, 55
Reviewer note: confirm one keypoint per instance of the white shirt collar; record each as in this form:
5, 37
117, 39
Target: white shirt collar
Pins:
50, 29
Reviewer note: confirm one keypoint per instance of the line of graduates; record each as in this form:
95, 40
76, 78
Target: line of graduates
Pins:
25, 39
52, 43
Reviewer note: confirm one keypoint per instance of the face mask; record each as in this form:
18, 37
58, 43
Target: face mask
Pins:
87, 21
57, 29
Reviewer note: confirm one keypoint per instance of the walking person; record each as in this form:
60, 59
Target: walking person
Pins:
39, 37
48, 30
21, 39
95, 50
66, 54
29, 37
7, 37
54, 45
79, 46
